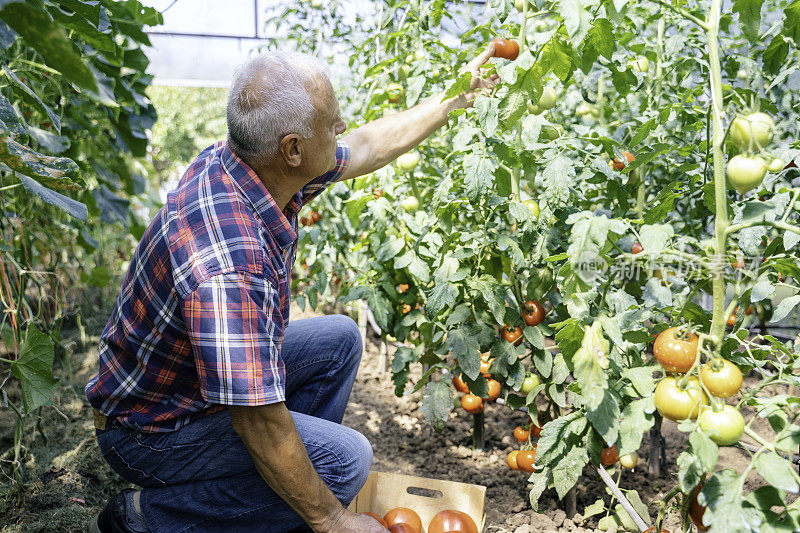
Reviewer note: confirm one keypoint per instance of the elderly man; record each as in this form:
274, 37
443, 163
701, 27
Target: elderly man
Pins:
225, 413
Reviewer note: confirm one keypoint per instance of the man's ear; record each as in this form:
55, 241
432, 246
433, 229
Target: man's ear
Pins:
291, 151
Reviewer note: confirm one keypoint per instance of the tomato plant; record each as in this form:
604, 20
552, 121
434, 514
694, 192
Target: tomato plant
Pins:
518, 205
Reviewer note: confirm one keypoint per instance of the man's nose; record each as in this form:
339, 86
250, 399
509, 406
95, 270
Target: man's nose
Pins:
340, 127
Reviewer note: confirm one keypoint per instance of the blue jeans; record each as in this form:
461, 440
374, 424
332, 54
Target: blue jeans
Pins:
202, 478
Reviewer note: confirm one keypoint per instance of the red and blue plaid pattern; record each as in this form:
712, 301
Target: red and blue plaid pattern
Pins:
200, 318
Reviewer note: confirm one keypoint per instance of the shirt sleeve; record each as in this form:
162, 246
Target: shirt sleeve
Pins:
319, 184
236, 328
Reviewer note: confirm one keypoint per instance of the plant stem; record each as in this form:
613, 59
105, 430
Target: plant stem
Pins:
412, 179
686, 14
720, 186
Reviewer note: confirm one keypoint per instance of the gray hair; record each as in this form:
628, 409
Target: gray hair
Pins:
269, 99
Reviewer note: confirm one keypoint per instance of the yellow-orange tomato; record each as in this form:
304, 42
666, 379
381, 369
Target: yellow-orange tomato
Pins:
511, 459
471, 403
521, 434
526, 459
494, 389
675, 353
403, 515
460, 385
452, 522
616, 164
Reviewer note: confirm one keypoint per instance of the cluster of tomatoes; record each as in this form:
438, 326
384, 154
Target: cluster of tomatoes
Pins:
405, 520
524, 459
533, 314
312, 218
750, 134
683, 396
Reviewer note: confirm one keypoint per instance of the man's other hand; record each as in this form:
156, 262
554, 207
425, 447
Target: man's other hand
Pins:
349, 522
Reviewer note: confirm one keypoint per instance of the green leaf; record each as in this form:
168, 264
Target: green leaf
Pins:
791, 22
34, 369
31, 98
722, 494
9, 121
704, 448
467, 350
638, 506
40, 32
53, 172
776, 471
690, 471
637, 419
749, 17
601, 37
596, 508
73, 207
539, 480
443, 295
775, 54
437, 403
54, 144
567, 471
478, 171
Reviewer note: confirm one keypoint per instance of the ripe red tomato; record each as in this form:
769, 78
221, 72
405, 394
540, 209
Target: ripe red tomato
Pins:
637, 248
678, 403
315, 217
616, 164
452, 522
512, 335
609, 456
403, 515
722, 378
471, 403
521, 434
654, 530
377, 517
402, 288
526, 459
304, 220
676, 354
696, 511
494, 389
511, 460
505, 48
533, 313
536, 431
405, 309
731, 321
460, 385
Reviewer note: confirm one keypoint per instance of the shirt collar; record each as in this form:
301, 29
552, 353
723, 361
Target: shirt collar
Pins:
248, 183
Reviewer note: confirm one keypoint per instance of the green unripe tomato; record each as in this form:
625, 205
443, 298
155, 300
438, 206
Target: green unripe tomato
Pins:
776, 165
531, 382
629, 461
533, 205
534, 109
408, 161
752, 132
410, 204
746, 173
316, 4
640, 64
520, 5
551, 132
724, 426
404, 71
741, 74
548, 98
420, 54
395, 92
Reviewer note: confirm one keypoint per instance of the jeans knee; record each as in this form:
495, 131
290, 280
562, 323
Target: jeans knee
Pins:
349, 335
361, 452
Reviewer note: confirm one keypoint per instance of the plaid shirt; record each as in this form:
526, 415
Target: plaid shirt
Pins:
200, 318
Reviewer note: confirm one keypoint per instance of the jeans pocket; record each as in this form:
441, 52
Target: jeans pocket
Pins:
134, 471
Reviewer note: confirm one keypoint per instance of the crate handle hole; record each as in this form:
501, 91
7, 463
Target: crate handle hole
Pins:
427, 493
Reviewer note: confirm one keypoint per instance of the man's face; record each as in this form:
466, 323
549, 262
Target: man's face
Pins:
320, 153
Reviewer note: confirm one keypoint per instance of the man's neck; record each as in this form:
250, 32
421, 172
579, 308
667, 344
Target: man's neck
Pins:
282, 187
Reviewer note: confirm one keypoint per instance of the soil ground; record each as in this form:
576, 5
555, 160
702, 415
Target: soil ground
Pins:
65, 480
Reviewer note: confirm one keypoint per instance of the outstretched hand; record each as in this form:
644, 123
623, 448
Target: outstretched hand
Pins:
349, 522
480, 85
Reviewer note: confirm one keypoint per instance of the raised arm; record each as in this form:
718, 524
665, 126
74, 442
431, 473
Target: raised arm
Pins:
379, 142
